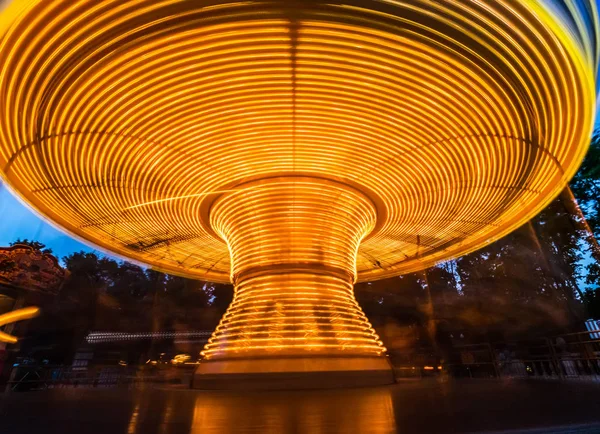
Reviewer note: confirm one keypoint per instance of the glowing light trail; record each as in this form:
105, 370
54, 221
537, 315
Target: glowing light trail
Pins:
14, 316
168, 199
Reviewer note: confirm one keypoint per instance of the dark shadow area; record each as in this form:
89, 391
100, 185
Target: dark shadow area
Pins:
411, 407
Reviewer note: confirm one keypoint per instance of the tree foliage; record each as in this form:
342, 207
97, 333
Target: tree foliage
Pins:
36, 245
120, 295
585, 187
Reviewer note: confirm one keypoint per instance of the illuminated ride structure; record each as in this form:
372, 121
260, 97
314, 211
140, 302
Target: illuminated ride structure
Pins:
294, 147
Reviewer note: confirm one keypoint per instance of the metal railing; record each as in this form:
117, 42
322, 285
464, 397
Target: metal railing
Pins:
568, 356
30, 378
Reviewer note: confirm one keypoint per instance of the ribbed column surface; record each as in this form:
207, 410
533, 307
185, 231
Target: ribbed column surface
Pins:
293, 243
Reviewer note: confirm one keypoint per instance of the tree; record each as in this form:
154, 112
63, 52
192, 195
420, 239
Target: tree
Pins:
80, 293
585, 202
127, 280
585, 185
527, 281
130, 297
398, 299
36, 245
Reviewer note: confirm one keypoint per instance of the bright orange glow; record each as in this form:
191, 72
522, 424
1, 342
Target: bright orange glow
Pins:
293, 147
14, 316
293, 244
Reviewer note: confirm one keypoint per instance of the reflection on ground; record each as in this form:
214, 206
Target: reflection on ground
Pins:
412, 407
359, 410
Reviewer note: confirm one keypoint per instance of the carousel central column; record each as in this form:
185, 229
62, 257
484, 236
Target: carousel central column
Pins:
293, 243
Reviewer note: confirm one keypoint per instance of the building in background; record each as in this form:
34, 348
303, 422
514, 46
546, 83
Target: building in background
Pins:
28, 277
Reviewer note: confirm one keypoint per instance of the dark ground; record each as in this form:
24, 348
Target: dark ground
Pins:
411, 407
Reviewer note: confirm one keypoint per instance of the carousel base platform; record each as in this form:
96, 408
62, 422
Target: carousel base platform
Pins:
293, 373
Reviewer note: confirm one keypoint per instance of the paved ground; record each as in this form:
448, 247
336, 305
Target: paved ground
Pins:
410, 407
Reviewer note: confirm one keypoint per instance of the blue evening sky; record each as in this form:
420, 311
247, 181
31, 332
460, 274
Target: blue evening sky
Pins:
18, 221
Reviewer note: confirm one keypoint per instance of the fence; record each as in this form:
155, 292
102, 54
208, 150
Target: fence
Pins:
569, 356
29, 378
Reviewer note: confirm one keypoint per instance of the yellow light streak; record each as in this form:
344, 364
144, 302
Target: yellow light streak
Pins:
14, 316
206, 193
